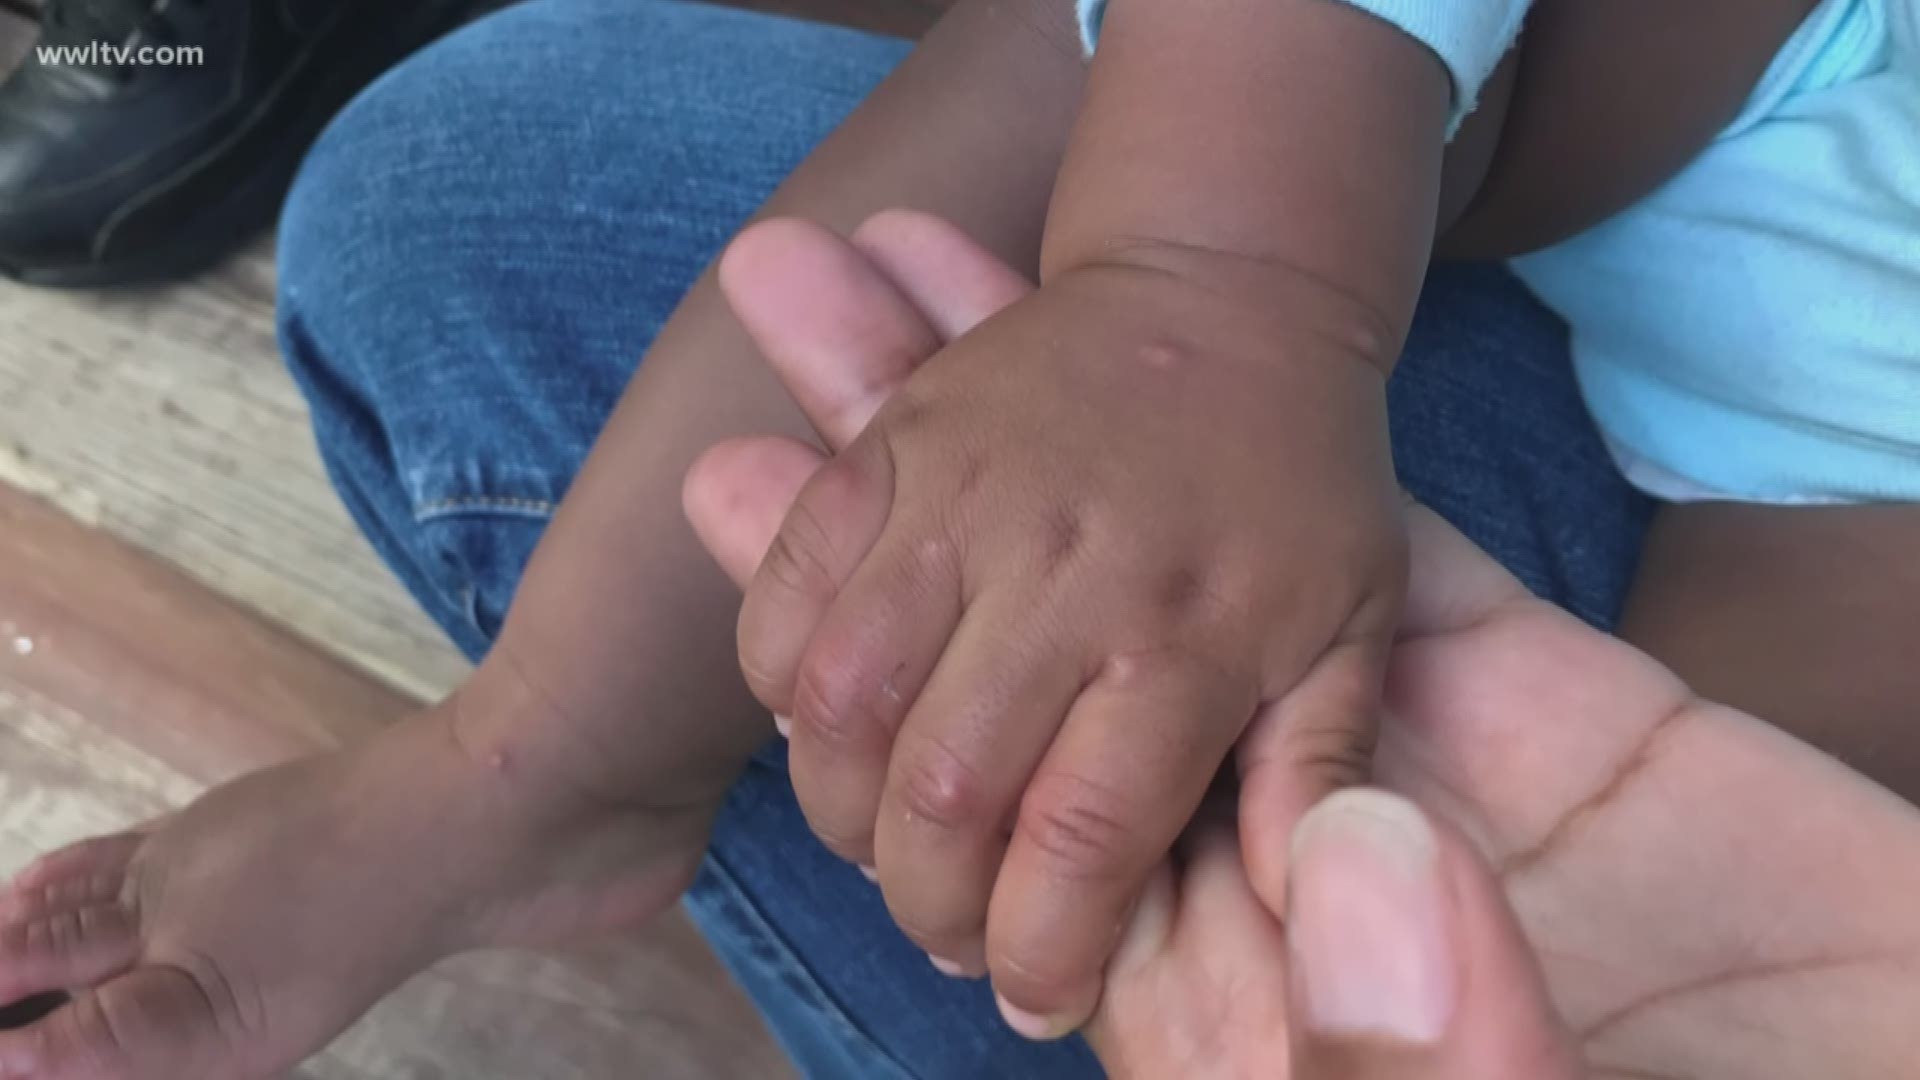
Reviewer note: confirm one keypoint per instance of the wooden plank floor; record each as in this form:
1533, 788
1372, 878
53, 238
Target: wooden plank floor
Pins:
165, 417
126, 688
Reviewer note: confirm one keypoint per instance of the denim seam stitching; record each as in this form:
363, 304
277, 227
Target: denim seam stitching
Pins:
458, 504
809, 985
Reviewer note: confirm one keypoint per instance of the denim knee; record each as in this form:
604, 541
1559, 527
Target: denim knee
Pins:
425, 358
482, 246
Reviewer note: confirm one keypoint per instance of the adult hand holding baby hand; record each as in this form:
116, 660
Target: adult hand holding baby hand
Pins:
1406, 961
1024, 615
1767, 936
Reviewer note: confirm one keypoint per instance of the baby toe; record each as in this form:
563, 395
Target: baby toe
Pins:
65, 949
87, 872
150, 1023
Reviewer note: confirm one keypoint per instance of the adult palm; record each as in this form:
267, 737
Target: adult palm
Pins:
1706, 897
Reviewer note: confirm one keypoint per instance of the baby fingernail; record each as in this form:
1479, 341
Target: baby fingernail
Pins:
1368, 920
783, 725
870, 874
1031, 1025
949, 968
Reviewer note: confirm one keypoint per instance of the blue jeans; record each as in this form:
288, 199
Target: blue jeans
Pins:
485, 243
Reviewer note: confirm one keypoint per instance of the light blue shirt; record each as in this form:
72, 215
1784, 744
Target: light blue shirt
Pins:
1469, 36
1752, 330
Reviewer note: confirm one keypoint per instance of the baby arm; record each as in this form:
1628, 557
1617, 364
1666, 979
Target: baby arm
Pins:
616, 665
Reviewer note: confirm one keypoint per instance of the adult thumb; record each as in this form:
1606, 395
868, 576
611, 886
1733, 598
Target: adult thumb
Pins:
1407, 961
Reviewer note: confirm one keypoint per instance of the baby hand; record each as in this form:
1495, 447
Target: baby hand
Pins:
1021, 620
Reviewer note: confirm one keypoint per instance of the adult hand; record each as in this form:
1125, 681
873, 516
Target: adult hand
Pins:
1706, 897
1406, 962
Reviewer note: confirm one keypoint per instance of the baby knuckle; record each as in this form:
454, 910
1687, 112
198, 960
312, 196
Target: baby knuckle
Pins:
1141, 671
922, 562
1167, 355
1079, 825
800, 558
833, 710
939, 788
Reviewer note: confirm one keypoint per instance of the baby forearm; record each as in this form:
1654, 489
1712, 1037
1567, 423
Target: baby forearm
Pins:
623, 630
1303, 137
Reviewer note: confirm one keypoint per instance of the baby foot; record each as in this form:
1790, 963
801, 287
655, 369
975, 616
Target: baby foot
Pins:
231, 940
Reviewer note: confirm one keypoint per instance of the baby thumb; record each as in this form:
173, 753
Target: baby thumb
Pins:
1407, 962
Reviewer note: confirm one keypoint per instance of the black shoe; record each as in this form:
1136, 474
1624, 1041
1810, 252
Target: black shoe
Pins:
115, 174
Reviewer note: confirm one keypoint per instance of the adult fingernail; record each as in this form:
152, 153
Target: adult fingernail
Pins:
1031, 1025
1368, 920
783, 725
